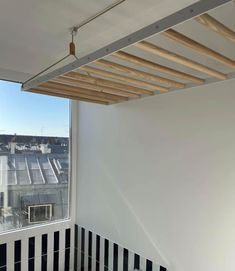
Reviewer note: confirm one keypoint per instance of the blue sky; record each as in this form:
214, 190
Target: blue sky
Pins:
32, 114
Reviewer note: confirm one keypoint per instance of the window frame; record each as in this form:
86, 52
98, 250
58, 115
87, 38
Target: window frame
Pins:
72, 175
73, 159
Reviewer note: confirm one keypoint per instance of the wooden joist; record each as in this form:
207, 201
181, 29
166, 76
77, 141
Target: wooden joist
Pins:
67, 96
141, 74
77, 95
151, 48
107, 83
216, 26
123, 78
82, 92
125, 75
81, 84
199, 48
154, 66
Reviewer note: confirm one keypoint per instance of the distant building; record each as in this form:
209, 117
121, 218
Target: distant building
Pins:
14, 144
49, 148
33, 188
27, 139
44, 148
3, 149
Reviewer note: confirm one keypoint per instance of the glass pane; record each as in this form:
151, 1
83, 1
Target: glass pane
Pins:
39, 213
34, 158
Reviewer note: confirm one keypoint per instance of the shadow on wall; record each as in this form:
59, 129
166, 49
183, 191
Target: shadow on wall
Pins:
157, 176
116, 206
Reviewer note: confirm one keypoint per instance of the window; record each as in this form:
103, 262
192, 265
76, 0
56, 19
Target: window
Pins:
34, 158
39, 213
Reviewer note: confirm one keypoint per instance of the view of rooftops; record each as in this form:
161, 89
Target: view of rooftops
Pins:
34, 161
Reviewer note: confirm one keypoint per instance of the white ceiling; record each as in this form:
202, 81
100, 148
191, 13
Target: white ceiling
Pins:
34, 34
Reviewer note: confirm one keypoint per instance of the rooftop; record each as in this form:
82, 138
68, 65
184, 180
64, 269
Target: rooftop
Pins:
33, 169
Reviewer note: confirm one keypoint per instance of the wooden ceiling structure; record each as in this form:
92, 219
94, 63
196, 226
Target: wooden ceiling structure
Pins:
109, 82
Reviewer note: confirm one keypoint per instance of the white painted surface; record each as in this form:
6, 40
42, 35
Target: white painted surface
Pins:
10, 256
61, 251
157, 176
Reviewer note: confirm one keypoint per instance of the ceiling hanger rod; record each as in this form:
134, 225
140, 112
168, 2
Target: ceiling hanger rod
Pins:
98, 14
72, 52
73, 31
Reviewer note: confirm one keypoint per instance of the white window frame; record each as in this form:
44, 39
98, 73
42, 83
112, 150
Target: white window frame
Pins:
73, 161
39, 205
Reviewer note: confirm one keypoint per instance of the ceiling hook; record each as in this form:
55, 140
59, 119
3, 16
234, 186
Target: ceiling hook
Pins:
74, 30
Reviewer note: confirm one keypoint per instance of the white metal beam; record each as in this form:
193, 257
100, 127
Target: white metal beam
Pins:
178, 17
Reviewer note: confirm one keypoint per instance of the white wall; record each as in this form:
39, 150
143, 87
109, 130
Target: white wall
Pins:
157, 175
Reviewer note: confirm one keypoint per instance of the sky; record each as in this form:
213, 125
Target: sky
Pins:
25, 113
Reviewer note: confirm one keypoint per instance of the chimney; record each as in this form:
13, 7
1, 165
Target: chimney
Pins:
12, 147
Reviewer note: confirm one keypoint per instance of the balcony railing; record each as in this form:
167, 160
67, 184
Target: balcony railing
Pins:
46, 247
